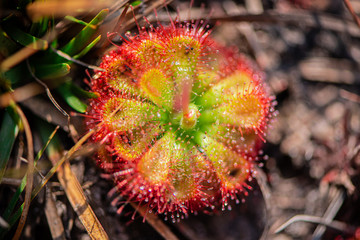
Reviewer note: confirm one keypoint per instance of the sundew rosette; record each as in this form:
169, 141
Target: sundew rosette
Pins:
182, 119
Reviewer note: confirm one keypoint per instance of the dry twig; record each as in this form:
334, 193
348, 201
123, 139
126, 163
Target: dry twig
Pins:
341, 226
155, 222
352, 12
53, 219
30, 172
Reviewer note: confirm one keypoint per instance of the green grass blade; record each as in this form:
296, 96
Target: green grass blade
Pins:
87, 48
40, 27
10, 208
24, 38
17, 75
74, 19
7, 45
65, 91
82, 39
136, 3
8, 133
78, 91
47, 71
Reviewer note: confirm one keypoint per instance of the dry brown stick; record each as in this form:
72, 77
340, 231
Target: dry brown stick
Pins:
352, 12
44, 109
117, 5
11, 181
330, 213
155, 222
20, 94
53, 219
61, 8
71, 59
338, 225
349, 96
74, 191
78, 201
30, 172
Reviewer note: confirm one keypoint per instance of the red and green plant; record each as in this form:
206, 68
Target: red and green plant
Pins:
183, 119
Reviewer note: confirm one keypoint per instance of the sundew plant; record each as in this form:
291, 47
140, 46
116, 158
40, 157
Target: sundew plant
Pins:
182, 119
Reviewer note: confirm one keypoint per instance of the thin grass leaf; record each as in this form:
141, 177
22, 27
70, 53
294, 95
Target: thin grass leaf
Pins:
24, 38
8, 133
65, 91
17, 75
7, 46
48, 71
10, 208
80, 40
87, 48
40, 27
74, 19
136, 3
49, 138
78, 91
